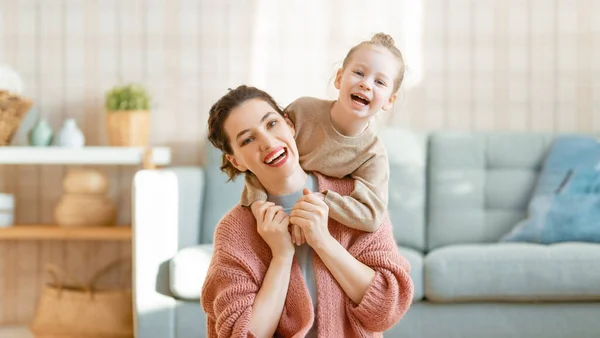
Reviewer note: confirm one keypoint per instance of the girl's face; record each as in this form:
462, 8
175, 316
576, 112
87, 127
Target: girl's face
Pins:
366, 84
262, 142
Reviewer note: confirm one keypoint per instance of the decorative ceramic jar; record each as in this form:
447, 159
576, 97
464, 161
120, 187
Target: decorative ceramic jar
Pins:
41, 133
70, 135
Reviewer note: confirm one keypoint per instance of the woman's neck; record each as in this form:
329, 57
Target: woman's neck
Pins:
289, 185
344, 125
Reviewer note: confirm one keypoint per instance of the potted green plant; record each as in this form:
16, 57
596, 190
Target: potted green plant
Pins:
128, 116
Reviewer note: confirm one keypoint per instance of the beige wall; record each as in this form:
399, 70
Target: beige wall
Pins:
473, 65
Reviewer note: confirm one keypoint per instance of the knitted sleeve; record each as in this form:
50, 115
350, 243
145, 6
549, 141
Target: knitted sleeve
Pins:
227, 297
231, 283
390, 294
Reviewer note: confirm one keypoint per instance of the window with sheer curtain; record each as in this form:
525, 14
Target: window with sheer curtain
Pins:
296, 54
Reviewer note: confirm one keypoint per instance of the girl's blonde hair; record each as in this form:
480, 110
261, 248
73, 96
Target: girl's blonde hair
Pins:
387, 42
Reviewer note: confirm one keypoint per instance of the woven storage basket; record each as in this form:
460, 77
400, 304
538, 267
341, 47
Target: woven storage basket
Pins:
82, 311
12, 110
128, 128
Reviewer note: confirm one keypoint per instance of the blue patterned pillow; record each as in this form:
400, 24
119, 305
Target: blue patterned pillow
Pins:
566, 203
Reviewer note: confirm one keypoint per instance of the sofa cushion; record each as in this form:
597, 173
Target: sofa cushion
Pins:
566, 205
189, 266
479, 186
219, 195
188, 270
407, 154
513, 272
415, 258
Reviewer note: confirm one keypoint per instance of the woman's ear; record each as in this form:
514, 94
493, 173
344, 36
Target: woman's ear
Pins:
338, 79
390, 103
234, 162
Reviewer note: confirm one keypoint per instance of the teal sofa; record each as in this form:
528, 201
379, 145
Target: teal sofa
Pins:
452, 197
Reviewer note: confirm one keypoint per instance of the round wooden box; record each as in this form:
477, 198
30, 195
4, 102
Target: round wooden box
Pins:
85, 210
85, 181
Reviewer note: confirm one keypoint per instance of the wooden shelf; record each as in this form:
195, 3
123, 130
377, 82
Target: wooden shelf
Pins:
85, 155
15, 332
54, 232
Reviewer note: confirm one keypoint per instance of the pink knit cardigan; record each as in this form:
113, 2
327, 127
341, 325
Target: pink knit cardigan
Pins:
241, 259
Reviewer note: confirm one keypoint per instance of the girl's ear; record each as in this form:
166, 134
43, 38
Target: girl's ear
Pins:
338, 79
390, 103
234, 162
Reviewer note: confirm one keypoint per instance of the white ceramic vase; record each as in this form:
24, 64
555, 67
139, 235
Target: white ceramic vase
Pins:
70, 135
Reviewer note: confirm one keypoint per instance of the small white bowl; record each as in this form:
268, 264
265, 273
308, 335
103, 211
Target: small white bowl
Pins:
7, 202
6, 219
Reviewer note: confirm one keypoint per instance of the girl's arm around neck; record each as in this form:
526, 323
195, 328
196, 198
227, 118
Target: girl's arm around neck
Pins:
364, 209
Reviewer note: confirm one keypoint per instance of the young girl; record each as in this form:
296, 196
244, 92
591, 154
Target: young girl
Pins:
336, 138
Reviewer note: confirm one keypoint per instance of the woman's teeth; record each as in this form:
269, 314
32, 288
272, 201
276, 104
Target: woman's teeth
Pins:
275, 156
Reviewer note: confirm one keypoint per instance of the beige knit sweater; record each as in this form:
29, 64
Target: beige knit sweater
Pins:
322, 149
241, 259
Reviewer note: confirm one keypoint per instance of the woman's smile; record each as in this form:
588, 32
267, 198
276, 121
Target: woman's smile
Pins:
277, 157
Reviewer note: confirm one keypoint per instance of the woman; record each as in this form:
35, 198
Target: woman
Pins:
342, 283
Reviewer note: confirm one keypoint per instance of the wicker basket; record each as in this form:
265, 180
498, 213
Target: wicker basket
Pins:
128, 128
12, 110
83, 310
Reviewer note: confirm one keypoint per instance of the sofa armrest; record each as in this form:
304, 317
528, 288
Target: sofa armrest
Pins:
166, 215
155, 236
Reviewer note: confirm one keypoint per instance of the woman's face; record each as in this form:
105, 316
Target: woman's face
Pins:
262, 142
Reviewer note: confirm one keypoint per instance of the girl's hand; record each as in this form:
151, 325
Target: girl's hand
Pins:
311, 214
272, 225
297, 235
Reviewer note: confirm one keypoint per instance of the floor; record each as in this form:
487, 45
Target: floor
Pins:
15, 332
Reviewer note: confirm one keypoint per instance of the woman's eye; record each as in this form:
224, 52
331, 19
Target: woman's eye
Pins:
246, 141
272, 123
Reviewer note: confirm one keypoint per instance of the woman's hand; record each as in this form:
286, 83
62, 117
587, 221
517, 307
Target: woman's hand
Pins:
311, 214
272, 225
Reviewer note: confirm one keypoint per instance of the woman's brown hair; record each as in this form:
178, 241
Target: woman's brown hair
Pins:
219, 113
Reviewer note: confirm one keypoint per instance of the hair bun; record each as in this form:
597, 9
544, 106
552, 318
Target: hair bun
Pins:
383, 39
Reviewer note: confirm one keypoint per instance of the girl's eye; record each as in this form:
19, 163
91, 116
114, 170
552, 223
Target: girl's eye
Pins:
379, 82
246, 141
358, 72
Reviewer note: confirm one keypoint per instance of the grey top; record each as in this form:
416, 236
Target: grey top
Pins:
303, 252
